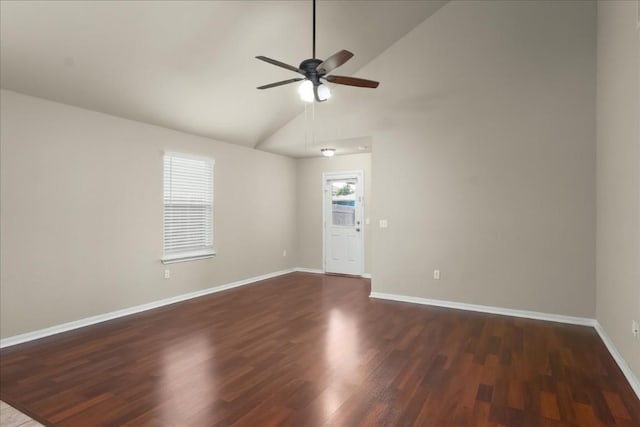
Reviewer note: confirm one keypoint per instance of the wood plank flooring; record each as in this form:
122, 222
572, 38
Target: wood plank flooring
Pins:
315, 350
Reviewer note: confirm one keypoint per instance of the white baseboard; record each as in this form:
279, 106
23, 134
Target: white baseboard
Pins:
308, 270
624, 367
318, 271
41, 333
584, 321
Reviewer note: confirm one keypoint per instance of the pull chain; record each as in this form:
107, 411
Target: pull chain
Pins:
313, 125
306, 127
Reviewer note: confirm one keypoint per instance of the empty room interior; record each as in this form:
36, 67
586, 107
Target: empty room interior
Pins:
320, 213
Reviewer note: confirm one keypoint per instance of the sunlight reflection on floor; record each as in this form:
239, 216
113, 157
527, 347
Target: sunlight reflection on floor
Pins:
342, 356
179, 376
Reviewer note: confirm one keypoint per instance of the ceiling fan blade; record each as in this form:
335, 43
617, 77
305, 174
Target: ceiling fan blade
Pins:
352, 81
334, 61
283, 82
280, 64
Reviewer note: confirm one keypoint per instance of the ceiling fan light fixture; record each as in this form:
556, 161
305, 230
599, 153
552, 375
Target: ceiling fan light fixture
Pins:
323, 92
328, 152
305, 90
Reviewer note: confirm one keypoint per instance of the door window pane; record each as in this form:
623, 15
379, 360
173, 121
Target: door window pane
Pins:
343, 203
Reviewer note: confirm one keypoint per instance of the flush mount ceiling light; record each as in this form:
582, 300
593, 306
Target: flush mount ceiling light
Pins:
328, 152
314, 69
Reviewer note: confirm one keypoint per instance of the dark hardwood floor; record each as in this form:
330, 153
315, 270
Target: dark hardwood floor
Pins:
313, 350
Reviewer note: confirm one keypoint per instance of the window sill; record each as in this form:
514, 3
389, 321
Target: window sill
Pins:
187, 257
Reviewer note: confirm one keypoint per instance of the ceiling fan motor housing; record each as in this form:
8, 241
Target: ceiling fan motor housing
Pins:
309, 67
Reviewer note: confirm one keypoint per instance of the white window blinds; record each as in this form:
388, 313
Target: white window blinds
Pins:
188, 207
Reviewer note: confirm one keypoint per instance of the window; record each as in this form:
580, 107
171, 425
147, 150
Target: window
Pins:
188, 208
343, 203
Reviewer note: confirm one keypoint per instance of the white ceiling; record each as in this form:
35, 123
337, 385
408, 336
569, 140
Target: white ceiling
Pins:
189, 65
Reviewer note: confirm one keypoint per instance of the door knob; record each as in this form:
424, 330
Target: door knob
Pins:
357, 229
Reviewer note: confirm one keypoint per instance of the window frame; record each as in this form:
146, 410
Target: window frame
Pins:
188, 254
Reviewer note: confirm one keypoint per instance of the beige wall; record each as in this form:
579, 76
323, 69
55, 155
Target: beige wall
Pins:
309, 205
484, 155
488, 173
618, 176
81, 214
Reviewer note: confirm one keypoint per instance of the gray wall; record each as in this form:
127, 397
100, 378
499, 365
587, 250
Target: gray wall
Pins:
81, 214
484, 155
309, 205
618, 176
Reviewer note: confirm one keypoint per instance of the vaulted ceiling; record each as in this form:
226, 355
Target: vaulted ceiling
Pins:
189, 65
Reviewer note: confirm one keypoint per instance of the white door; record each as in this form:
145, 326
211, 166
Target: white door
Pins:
343, 227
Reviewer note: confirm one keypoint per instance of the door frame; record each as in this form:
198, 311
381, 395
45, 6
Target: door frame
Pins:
359, 174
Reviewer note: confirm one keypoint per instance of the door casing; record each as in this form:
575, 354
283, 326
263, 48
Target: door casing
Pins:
326, 176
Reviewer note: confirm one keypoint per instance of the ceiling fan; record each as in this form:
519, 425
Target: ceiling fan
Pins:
314, 70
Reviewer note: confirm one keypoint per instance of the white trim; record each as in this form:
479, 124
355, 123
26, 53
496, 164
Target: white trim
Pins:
319, 271
41, 333
185, 258
624, 367
308, 270
189, 156
584, 321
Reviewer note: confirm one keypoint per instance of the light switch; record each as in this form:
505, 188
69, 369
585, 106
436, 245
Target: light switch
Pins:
383, 223
367, 221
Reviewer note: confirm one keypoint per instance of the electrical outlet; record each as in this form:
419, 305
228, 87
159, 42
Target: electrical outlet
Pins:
167, 274
436, 274
284, 252
635, 328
